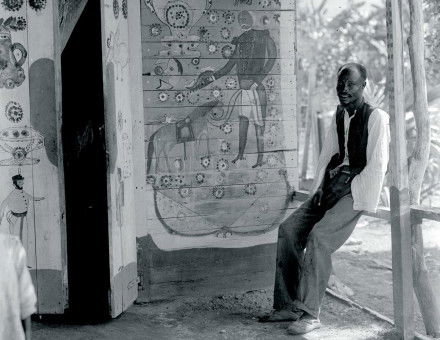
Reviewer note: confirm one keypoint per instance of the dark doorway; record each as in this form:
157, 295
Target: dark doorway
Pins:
83, 140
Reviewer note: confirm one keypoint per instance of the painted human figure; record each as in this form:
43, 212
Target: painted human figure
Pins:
254, 57
16, 205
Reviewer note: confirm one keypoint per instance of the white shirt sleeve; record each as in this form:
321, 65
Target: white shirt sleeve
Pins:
329, 149
366, 186
28, 298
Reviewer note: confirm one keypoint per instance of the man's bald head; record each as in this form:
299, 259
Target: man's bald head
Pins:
354, 66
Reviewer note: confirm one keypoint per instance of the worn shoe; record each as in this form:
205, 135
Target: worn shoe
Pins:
281, 315
303, 325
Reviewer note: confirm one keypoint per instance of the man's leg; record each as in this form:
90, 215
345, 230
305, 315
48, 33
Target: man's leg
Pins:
259, 131
243, 126
292, 237
328, 235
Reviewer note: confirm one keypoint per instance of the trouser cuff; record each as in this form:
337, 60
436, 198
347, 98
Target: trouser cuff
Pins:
299, 305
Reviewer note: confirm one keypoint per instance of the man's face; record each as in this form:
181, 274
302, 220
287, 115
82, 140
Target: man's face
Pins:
245, 20
19, 184
350, 86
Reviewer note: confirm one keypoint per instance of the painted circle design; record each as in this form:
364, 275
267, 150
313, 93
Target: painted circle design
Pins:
225, 146
177, 16
14, 112
212, 48
179, 97
185, 191
166, 181
227, 128
195, 61
200, 178
205, 161
216, 92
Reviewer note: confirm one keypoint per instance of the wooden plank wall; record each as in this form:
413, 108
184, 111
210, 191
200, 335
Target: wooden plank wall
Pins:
119, 144
197, 195
29, 143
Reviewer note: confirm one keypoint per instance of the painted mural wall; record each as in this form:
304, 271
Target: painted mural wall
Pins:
30, 203
220, 124
119, 140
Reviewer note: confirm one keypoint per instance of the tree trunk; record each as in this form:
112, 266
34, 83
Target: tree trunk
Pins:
418, 162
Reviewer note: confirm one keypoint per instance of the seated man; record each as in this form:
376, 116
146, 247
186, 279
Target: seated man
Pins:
349, 178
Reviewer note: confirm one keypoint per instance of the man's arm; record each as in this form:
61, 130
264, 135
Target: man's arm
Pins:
227, 68
329, 149
271, 49
366, 186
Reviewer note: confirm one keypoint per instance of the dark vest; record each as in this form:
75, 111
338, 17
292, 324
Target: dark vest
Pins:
357, 137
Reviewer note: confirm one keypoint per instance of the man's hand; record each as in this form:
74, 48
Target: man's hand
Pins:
317, 197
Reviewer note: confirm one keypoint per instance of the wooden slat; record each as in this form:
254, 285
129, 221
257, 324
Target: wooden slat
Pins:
72, 10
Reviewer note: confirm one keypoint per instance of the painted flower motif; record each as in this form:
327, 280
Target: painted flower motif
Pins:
163, 96
166, 181
185, 191
155, 30
205, 161
227, 51
212, 48
116, 8
229, 17
16, 134
195, 61
14, 112
203, 33
12, 5
272, 96
227, 128
151, 180
5, 134
18, 24
262, 175
225, 33
212, 17
272, 160
250, 189
230, 83
218, 191
25, 133
200, 178
193, 97
270, 82
222, 165
265, 3
179, 97
271, 142
225, 146
221, 177
216, 92
158, 70
179, 180
273, 112
37, 5
274, 129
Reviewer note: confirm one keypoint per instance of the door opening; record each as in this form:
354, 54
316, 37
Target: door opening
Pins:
83, 140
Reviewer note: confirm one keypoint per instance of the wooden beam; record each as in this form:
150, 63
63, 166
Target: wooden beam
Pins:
68, 17
399, 190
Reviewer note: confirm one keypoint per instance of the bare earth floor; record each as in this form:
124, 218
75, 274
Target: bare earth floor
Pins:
363, 264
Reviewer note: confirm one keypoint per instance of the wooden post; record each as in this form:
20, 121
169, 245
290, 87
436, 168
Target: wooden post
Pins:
399, 192
310, 125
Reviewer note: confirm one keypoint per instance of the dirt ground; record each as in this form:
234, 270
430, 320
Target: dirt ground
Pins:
363, 264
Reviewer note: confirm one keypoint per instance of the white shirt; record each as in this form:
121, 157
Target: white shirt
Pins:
17, 293
365, 187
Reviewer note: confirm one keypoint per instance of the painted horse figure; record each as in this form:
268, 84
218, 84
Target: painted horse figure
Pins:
192, 128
